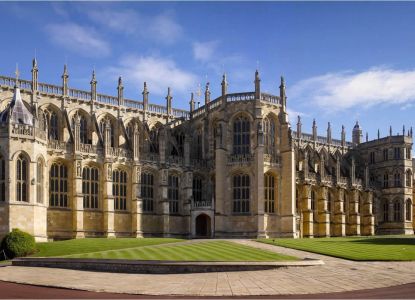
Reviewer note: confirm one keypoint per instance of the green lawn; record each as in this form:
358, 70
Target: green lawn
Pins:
398, 248
79, 246
201, 251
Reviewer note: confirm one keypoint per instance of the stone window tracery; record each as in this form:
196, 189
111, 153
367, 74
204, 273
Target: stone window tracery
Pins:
147, 191
119, 189
58, 185
397, 215
22, 178
385, 211
408, 178
90, 187
173, 194
83, 130
269, 196
241, 191
269, 136
408, 210
53, 125
241, 133
397, 179
197, 189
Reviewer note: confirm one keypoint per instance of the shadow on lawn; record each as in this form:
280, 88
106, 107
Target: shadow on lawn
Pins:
386, 241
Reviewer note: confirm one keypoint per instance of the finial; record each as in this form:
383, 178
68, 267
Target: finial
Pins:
224, 78
119, 81
314, 122
378, 133
256, 74
17, 73
65, 70
299, 119
168, 91
390, 130
282, 81
34, 62
367, 137
207, 86
403, 130
93, 80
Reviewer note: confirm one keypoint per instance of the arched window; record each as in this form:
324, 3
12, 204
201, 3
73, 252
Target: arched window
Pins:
408, 210
119, 189
102, 126
53, 126
269, 136
173, 193
269, 189
397, 178
39, 181
22, 175
58, 185
178, 146
408, 178
2, 179
241, 193
147, 192
154, 140
83, 131
241, 131
385, 211
90, 187
386, 180
197, 189
397, 215
198, 144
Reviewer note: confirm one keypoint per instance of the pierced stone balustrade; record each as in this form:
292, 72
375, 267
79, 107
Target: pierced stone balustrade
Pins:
120, 152
202, 204
271, 158
174, 159
240, 159
88, 148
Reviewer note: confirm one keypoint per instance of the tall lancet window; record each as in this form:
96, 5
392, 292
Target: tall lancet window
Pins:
53, 126
22, 175
58, 185
269, 190
241, 131
90, 187
269, 136
119, 189
83, 130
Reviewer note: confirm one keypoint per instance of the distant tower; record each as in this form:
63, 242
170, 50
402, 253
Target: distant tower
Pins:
357, 134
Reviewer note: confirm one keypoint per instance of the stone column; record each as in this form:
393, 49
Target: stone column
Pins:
187, 201
305, 198
323, 213
78, 200
222, 189
165, 202
368, 219
259, 181
108, 203
339, 215
136, 202
353, 227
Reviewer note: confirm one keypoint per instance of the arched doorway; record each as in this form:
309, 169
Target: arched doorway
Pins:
203, 226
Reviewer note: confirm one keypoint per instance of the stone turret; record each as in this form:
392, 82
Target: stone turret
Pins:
283, 96
314, 130
257, 85
120, 90
298, 126
65, 77
207, 94
329, 133
357, 134
168, 102
192, 103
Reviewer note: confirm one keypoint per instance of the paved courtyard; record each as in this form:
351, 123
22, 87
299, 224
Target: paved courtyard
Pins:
337, 275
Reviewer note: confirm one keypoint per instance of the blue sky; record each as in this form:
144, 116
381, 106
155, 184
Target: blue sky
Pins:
342, 62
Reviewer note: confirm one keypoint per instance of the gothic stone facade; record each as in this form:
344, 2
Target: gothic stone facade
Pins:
81, 164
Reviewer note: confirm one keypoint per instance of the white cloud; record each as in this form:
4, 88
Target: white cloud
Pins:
204, 51
338, 91
159, 73
162, 27
76, 38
